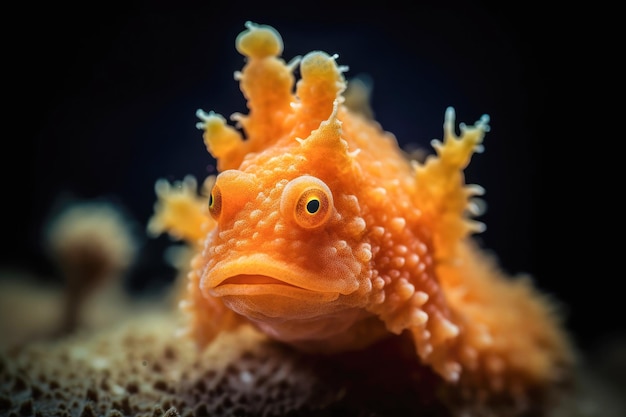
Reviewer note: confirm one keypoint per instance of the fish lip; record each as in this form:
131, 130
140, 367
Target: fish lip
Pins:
255, 279
250, 285
261, 274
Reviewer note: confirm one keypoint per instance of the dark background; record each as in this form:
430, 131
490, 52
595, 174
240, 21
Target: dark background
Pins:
102, 98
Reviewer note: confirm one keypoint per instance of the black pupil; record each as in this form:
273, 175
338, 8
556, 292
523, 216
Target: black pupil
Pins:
312, 206
211, 200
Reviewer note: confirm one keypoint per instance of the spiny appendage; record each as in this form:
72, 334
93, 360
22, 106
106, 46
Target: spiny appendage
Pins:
267, 83
326, 147
206, 317
442, 196
222, 141
321, 85
181, 211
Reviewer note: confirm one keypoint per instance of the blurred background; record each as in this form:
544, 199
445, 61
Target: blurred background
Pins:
105, 98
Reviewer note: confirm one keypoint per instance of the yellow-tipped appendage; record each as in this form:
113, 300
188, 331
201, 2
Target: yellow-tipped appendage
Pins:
180, 211
442, 196
267, 83
319, 90
221, 140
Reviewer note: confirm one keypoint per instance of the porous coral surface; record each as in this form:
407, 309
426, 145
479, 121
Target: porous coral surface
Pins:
140, 368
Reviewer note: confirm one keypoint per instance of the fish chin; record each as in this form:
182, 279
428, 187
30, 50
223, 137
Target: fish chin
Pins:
294, 319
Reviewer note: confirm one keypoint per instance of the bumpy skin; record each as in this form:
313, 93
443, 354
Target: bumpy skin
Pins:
321, 232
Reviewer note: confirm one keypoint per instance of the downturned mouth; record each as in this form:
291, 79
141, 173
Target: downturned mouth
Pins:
250, 284
260, 274
253, 279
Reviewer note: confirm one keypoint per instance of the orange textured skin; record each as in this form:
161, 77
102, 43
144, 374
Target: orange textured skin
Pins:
321, 232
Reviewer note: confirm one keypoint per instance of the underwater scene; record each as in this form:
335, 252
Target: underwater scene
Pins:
236, 213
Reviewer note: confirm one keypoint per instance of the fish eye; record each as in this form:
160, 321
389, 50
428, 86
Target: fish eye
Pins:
308, 201
215, 202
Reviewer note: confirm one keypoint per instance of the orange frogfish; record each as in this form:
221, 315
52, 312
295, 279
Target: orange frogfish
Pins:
322, 233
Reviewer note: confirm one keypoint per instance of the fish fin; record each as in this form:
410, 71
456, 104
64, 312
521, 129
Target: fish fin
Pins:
180, 211
447, 204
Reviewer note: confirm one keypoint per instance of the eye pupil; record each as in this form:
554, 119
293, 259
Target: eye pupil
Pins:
313, 206
211, 199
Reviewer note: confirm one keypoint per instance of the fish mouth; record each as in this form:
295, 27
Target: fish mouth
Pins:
247, 279
248, 284
261, 275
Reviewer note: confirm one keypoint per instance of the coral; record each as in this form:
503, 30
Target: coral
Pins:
139, 368
93, 244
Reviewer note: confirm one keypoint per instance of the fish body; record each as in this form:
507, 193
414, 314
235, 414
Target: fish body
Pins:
324, 234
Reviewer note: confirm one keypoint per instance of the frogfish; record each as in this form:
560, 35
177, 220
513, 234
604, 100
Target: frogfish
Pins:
321, 232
